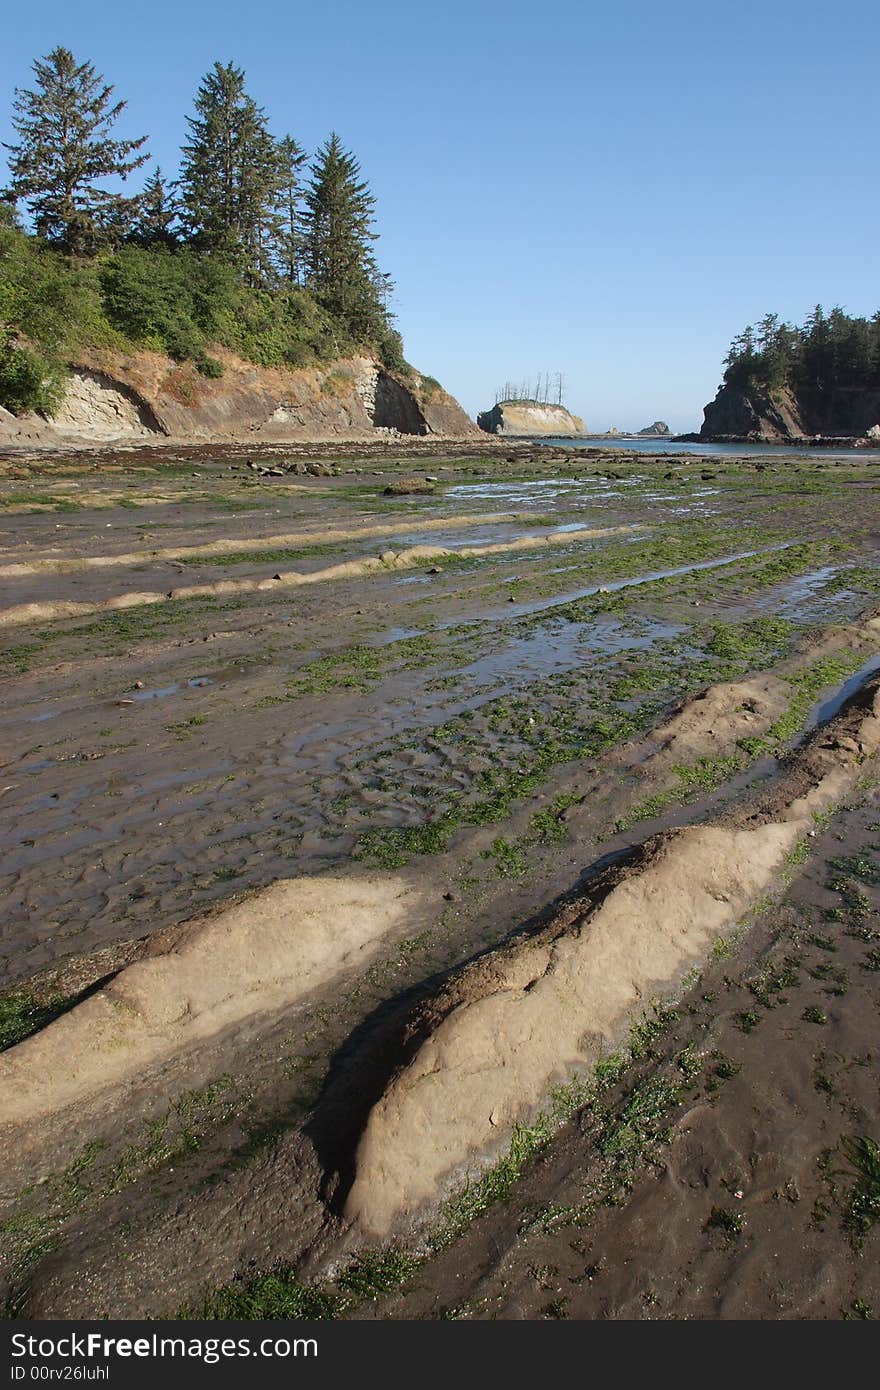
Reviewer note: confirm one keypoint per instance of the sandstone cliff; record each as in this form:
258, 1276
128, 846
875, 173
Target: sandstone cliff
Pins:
780, 416
529, 418
147, 397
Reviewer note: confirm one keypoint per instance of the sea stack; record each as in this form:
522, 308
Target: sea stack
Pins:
524, 418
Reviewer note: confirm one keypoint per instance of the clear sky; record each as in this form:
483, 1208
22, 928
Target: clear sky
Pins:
608, 190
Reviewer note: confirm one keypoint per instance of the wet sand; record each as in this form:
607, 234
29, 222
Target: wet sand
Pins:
462, 719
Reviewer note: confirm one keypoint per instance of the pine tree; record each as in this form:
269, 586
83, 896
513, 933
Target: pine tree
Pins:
8, 217
338, 235
261, 180
64, 148
157, 213
208, 176
874, 360
232, 174
287, 235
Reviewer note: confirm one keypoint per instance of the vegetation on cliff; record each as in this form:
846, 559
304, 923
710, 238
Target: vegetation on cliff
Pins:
831, 353
245, 249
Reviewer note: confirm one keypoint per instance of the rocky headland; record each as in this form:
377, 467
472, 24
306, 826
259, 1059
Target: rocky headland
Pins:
745, 413
526, 418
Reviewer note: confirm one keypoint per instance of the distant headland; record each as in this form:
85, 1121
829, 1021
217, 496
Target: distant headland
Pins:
819, 383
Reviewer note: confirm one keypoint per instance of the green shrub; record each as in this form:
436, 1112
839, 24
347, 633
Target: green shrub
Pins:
209, 366
430, 387
28, 381
171, 299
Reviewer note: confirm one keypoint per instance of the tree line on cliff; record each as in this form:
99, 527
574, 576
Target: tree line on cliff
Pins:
829, 355
250, 246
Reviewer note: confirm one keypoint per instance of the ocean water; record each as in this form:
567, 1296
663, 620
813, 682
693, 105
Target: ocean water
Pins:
666, 446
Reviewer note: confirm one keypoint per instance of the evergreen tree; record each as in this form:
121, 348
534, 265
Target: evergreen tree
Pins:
262, 177
232, 174
208, 177
338, 235
65, 147
8, 217
827, 360
874, 350
816, 352
157, 213
286, 231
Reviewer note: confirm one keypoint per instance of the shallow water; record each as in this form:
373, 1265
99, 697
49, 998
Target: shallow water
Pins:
668, 446
796, 596
561, 648
827, 708
162, 691
520, 610
542, 491
552, 650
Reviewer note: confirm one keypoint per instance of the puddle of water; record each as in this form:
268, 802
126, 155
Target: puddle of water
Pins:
805, 584
197, 683
536, 654
798, 593
161, 691
832, 704
158, 694
804, 599
457, 540
543, 490
63, 759
454, 538
549, 651
397, 634
521, 610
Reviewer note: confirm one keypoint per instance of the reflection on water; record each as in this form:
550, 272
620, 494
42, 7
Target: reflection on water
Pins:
404, 703
827, 708
668, 446
542, 491
520, 610
160, 692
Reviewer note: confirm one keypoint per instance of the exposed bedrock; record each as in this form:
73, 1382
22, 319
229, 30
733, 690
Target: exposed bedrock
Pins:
390, 405
526, 418
99, 407
779, 416
409, 558
531, 1013
269, 950
547, 1008
111, 397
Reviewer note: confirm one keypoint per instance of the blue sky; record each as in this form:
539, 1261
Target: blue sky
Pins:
606, 190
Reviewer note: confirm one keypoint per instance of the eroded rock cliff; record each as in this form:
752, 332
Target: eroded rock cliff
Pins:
529, 418
146, 396
780, 416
